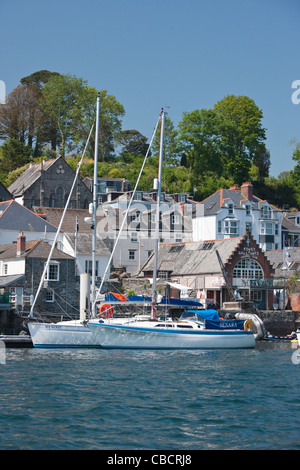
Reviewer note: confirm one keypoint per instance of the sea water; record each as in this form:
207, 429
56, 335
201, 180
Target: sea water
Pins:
122, 399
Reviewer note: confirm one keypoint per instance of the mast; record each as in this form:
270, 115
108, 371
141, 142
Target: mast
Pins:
95, 187
154, 293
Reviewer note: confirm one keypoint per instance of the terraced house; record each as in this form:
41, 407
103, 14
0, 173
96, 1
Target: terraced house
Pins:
232, 212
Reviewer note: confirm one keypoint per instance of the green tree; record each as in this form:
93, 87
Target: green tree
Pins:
132, 142
241, 134
13, 155
68, 100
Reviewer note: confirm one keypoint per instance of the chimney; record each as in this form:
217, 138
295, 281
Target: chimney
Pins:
247, 190
21, 244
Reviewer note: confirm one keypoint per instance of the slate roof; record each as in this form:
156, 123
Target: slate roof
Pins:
84, 244
276, 258
14, 216
192, 258
34, 249
213, 203
27, 178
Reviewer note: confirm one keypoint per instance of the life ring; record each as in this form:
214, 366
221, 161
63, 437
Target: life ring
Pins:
106, 311
248, 325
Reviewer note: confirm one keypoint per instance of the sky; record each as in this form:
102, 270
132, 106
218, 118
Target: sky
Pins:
181, 55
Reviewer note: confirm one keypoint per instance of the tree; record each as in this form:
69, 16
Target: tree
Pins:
14, 154
170, 151
198, 142
241, 134
132, 142
21, 116
71, 103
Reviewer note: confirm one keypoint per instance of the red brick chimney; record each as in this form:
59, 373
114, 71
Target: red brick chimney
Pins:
247, 190
21, 244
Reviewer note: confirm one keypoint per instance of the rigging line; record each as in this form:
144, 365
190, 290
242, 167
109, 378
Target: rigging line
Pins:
62, 299
59, 227
126, 214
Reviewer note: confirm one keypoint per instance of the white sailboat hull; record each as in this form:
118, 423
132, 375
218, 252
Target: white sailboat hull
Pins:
67, 334
147, 337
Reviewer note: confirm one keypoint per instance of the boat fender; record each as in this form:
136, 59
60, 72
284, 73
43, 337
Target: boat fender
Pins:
247, 325
106, 311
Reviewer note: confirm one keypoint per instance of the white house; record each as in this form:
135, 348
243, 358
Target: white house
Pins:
229, 213
137, 239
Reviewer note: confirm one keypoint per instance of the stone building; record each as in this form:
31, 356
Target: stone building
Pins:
48, 184
21, 268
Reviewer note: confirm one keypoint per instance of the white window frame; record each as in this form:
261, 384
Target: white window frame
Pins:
50, 296
132, 255
134, 237
231, 227
266, 228
50, 272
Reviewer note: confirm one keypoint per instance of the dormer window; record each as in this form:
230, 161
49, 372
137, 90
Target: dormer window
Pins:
266, 212
230, 208
248, 210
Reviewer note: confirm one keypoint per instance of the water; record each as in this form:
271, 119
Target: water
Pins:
100, 399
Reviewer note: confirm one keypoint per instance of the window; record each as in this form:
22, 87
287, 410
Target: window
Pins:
178, 238
134, 237
52, 200
266, 228
89, 267
276, 229
136, 217
231, 227
248, 269
163, 275
230, 208
266, 212
5, 268
248, 210
298, 220
52, 273
50, 296
249, 227
132, 254
175, 219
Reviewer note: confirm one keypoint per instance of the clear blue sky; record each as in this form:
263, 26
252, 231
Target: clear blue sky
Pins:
177, 54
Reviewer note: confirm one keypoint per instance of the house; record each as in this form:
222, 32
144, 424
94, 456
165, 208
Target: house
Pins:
233, 212
291, 229
76, 238
48, 184
196, 266
21, 267
108, 188
136, 241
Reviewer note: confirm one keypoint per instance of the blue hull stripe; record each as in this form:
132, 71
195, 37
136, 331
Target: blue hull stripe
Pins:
176, 331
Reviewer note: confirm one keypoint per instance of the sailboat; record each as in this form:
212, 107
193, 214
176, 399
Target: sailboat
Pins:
70, 333
195, 329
